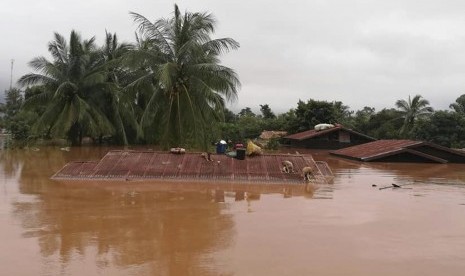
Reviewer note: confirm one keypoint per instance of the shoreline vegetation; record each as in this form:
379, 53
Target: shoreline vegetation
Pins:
168, 88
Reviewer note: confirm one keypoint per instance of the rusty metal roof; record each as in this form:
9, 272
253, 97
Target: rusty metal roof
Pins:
270, 134
133, 165
383, 148
312, 133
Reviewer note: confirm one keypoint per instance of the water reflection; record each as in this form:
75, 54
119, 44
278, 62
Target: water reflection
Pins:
171, 232
174, 232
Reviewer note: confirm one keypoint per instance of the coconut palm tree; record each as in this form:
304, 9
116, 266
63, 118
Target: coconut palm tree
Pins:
181, 83
116, 103
412, 110
74, 82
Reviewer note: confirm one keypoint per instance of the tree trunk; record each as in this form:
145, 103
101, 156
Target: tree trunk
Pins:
74, 135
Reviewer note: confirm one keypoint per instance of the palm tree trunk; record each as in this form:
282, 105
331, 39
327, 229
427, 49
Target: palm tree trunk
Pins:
74, 135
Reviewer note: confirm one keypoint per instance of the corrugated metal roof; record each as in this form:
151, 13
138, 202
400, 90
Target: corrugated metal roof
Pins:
383, 148
315, 133
376, 148
270, 134
131, 165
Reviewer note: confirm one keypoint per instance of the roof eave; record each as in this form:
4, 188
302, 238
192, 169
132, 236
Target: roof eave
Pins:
439, 147
411, 151
326, 131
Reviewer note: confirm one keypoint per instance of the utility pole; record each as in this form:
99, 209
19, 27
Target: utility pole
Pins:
11, 76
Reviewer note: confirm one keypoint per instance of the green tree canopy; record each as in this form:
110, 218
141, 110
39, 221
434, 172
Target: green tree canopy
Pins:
73, 80
266, 112
444, 128
384, 124
411, 110
16, 121
246, 112
13, 101
362, 118
229, 116
459, 105
181, 82
313, 112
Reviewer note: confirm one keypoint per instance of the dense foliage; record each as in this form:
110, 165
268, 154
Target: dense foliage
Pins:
168, 88
183, 85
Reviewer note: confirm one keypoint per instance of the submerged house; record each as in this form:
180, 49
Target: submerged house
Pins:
151, 168
335, 137
402, 151
272, 134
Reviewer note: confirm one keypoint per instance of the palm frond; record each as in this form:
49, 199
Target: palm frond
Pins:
151, 30
220, 46
66, 88
59, 48
65, 120
41, 99
51, 113
33, 79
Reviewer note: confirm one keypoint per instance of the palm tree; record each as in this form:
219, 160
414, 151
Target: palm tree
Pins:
74, 82
412, 110
459, 105
181, 85
118, 105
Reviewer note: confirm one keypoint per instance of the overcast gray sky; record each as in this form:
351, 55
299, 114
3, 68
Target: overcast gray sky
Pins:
363, 53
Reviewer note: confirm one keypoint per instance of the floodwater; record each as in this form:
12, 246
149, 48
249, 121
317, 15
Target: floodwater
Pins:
345, 228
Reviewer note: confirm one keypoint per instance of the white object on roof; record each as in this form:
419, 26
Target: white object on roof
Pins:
323, 126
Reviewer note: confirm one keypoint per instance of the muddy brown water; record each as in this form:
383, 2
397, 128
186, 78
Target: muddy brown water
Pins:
345, 228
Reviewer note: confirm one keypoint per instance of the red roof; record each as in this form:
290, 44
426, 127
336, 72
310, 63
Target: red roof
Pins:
384, 148
308, 134
133, 165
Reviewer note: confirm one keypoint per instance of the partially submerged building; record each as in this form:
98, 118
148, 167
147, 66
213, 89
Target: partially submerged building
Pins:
272, 134
218, 170
402, 151
336, 137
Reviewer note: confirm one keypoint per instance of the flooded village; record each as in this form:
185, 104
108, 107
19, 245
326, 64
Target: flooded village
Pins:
356, 224
232, 138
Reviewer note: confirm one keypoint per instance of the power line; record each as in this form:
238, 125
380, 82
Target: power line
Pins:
11, 76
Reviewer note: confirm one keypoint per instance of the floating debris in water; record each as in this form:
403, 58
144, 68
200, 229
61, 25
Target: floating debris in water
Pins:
393, 185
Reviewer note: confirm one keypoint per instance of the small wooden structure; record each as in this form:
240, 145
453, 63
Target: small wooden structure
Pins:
332, 138
138, 166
